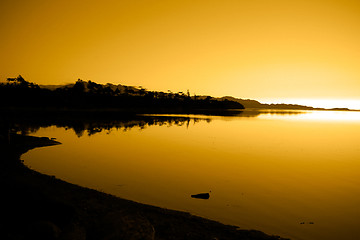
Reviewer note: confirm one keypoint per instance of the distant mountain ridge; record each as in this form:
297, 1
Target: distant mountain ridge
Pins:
248, 103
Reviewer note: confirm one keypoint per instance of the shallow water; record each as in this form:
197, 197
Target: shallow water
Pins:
293, 175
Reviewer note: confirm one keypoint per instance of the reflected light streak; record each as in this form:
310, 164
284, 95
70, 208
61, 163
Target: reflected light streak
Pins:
319, 103
319, 116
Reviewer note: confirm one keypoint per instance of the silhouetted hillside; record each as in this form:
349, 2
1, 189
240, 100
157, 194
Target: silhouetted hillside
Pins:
90, 95
248, 103
17, 92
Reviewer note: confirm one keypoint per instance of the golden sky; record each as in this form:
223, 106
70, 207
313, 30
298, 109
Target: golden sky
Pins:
259, 49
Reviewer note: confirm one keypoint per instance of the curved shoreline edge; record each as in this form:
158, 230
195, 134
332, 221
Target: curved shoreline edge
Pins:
38, 206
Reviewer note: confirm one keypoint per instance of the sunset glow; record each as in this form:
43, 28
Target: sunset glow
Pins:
246, 49
319, 116
319, 103
180, 119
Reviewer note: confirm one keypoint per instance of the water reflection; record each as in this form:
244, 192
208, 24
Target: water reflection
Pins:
338, 116
92, 125
272, 172
247, 113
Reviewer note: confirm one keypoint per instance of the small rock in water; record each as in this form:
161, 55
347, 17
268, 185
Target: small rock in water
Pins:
201, 196
307, 223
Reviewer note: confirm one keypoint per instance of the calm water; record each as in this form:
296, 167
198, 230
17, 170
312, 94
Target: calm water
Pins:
294, 175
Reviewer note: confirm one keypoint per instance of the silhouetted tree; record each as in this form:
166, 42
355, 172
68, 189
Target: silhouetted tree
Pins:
19, 81
79, 86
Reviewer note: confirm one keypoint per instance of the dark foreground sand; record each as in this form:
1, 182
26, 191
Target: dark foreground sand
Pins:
37, 206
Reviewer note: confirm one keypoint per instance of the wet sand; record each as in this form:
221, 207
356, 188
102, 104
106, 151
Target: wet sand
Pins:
38, 206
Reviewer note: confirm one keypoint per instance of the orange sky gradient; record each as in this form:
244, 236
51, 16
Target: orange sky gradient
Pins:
266, 50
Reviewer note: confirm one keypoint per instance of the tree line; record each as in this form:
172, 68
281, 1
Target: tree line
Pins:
17, 92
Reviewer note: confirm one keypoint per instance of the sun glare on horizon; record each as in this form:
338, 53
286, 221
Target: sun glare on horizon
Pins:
352, 104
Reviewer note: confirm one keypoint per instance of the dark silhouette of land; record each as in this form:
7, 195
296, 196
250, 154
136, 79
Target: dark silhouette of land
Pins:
253, 104
19, 93
37, 206
249, 103
88, 95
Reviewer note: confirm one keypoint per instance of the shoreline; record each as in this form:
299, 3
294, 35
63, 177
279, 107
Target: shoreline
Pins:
38, 206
